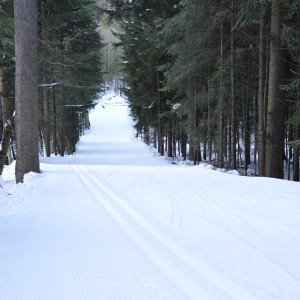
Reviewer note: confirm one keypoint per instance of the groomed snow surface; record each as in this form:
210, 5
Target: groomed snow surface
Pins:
114, 221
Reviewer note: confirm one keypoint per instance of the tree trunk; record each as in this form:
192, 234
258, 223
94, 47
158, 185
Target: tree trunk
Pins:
62, 125
289, 149
154, 138
232, 83
261, 102
192, 117
246, 132
87, 123
170, 141
276, 106
46, 122
160, 127
45, 90
205, 137
183, 145
220, 105
26, 88
6, 134
209, 129
174, 137
54, 121
296, 167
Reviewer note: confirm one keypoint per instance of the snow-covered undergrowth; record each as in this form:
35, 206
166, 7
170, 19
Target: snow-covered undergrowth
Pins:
115, 221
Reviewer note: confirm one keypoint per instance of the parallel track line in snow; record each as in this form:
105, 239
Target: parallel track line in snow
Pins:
188, 288
163, 251
96, 256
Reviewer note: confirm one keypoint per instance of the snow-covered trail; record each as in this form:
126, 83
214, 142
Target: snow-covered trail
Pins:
64, 244
69, 247
115, 222
111, 139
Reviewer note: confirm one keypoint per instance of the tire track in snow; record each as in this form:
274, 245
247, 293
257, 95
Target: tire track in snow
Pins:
177, 264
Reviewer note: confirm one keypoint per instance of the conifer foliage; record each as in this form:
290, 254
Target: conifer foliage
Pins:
70, 71
215, 80
6, 78
69, 68
149, 104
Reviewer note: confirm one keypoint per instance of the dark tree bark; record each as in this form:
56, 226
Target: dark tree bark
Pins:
6, 134
296, 154
232, 92
45, 90
192, 119
174, 137
209, 122
170, 141
183, 141
205, 137
53, 121
62, 125
160, 142
26, 119
221, 104
276, 106
247, 141
46, 121
261, 88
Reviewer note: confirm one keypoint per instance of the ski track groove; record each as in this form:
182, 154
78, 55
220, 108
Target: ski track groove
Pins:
130, 221
121, 279
89, 291
28, 260
99, 247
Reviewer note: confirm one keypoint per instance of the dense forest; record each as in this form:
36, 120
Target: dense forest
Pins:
215, 80
50, 75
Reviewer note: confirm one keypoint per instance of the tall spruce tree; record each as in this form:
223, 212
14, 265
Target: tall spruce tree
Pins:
191, 39
199, 49
71, 70
142, 57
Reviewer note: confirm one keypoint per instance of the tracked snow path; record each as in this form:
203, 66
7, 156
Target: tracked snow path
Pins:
169, 257
69, 248
115, 222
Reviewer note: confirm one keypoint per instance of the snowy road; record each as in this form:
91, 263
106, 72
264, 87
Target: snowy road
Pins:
115, 222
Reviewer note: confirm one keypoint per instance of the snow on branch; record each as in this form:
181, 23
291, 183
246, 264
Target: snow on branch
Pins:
49, 84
